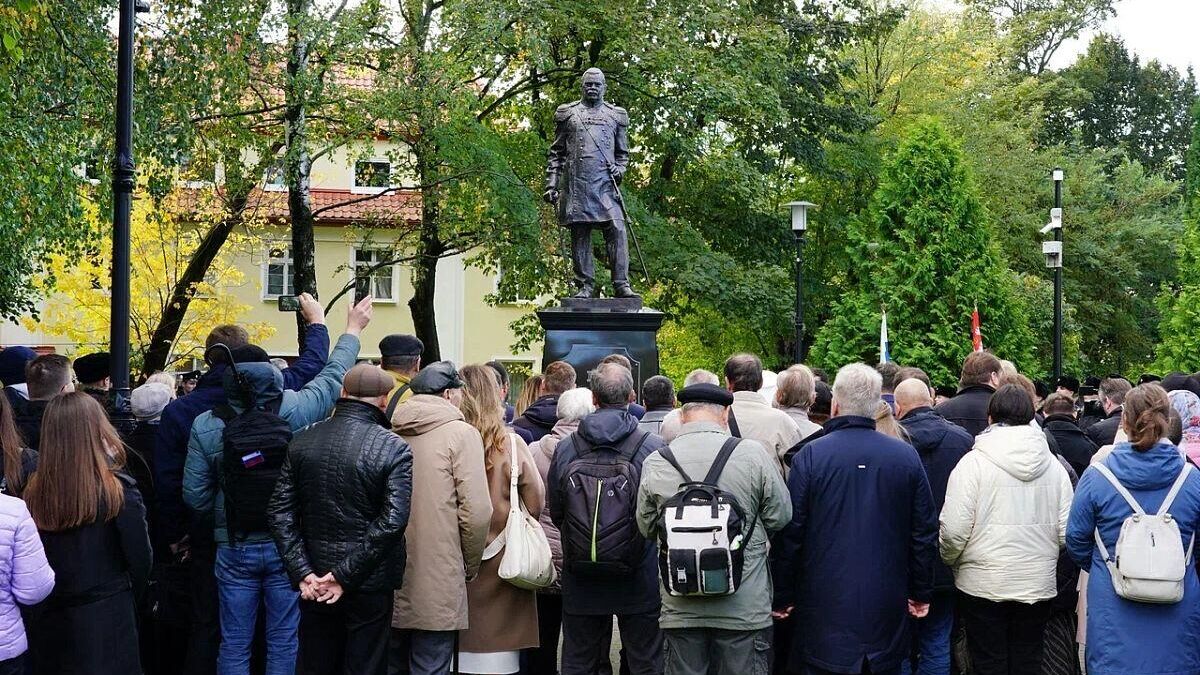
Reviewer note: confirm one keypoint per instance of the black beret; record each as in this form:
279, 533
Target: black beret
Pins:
401, 345
705, 393
1149, 377
436, 378
1068, 382
1092, 381
946, 390
92, 367
193, 375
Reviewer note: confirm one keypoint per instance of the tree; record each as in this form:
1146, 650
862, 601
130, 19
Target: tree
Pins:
925, 253
162, 244
1036, 29
1179, 303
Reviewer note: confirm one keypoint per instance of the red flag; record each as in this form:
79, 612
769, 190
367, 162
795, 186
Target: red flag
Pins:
976, 334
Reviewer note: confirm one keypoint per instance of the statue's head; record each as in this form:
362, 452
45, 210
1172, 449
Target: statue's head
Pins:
593, 85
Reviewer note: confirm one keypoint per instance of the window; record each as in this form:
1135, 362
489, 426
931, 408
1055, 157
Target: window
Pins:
278, 272
195, 172
372, 175
273, 177
382, 279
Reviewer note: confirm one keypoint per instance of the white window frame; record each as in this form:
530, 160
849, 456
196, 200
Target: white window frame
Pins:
357, 189
518, 302
180, 159
287, 262
281, 186
354, 272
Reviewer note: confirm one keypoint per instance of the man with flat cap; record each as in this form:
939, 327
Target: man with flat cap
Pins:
729, 633
92, 371
400, 357
447, 530
338, 514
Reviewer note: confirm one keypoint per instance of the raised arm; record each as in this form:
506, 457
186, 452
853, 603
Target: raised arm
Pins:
316, 399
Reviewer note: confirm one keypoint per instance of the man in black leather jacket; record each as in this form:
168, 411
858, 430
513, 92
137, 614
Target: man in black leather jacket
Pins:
338, 517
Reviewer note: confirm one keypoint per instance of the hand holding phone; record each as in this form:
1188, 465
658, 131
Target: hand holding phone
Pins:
288, 303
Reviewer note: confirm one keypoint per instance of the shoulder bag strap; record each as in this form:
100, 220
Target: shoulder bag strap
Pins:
670, 457
514, 497
718, 465
391, 409
733, 425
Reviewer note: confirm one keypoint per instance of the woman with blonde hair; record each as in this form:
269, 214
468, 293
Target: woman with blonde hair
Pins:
502, 618
795, 392
529, 393
885, 422
93, 526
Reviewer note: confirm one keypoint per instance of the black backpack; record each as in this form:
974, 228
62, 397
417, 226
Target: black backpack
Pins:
256, 444
599, 531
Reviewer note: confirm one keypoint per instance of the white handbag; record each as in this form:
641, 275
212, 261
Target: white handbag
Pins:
527, 562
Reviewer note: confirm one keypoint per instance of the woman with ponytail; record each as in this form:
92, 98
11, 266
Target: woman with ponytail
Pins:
1127, 637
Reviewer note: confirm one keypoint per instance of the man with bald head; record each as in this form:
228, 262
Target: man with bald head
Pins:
940, 444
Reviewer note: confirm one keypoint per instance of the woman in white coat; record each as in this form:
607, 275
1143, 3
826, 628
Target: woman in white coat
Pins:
1002, 526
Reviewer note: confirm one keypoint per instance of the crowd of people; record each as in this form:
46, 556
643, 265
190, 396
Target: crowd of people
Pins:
332, 516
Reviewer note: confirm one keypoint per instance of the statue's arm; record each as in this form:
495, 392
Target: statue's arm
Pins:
556, 156
621, 141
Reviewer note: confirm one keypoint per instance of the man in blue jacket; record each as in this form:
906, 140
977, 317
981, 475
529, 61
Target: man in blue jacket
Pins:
858, 556
249, 569
194, 541
940, 445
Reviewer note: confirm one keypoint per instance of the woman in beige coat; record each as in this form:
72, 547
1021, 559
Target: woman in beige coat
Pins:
503, 618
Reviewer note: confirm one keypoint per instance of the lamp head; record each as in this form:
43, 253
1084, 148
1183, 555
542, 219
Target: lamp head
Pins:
799, 215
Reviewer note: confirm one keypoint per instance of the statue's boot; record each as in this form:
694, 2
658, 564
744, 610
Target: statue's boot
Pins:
623, 291
584, 293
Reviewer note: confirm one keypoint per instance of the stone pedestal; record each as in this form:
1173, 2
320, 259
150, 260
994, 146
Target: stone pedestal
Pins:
582, 332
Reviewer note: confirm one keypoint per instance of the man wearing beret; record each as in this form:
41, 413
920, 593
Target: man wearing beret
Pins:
734, 629
338, 517
92, 371
400, 357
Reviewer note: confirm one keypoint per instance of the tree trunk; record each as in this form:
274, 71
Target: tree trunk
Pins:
163, 338
297, 165
429, 249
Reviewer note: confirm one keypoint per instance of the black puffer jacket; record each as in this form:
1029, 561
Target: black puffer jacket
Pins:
343, 499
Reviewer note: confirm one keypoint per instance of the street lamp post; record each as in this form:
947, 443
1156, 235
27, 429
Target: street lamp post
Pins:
1053, 250
123, 184
799, 227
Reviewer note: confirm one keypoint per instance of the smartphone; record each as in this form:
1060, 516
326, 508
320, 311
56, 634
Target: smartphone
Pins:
289, 303
362, 288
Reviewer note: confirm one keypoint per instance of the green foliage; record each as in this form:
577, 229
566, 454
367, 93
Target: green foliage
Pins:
924, 251
1034, 30
1179, 303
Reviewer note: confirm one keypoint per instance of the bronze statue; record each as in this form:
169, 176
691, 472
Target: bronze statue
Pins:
584, 168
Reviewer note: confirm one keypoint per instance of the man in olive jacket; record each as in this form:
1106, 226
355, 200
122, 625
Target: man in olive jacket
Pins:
735, 629
338, 517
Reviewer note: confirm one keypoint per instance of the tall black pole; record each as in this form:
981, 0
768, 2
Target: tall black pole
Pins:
1058, 287
123, 183
799, 348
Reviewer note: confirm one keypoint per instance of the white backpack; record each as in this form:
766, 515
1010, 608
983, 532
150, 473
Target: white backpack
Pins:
1150, 564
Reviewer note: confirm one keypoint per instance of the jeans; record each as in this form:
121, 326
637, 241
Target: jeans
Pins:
421, 652
1004, 638
713, 651
586, 639
247, 575
349, 636
931, 636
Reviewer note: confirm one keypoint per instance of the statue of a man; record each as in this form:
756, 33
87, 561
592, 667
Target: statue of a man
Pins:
583, 168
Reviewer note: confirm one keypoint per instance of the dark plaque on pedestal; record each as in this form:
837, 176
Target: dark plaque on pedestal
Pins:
583, 333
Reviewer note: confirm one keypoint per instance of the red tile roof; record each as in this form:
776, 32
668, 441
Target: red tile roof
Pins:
333, 207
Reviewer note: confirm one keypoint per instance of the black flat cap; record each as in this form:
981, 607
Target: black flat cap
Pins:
436, 378
705, 393
91, 367
1068, 382
193, 375
401, 345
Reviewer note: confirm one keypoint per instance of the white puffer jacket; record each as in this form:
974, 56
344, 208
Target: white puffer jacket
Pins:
1005, 516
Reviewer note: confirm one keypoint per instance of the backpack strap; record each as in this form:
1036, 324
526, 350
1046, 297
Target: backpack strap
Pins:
1104, 471
733, 425
670, 457
718, 465
1170, 499
391, 409
224, 412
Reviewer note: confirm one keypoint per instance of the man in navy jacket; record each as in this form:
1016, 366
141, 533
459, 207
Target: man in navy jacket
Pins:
857, 558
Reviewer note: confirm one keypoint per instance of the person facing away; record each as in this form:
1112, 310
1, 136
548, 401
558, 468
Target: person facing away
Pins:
540, 416
888, 370
400, 357
858, 555
25, 580
635, 409
795, 391
658, 393
1001, 530
1112, 393
338, 516
13, 362
1126, 636
502, 381
19, 461
1073, 444
502, 618
940, 445
608, 567
979, 379
249, 569
93, 527
46, 377
751, 416
670, 424
92, 374
1187, 407
447, 526
729, 635
573, 406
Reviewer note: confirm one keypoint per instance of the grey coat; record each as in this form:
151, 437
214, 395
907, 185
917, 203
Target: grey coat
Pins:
752, 477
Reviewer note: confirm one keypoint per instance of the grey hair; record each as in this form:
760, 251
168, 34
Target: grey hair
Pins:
162, 378
714, 409
575, 404
857, 390
612, 384
701, 376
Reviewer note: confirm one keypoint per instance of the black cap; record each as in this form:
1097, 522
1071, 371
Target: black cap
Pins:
436, 378
1149, 377
1068, 382
401, 345
946, 390
1043, 389
705, 393
92, 367
192, 375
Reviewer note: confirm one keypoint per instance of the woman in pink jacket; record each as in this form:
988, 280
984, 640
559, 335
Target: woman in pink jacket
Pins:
25, 578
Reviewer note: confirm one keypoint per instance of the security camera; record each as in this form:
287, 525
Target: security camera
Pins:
1052, 250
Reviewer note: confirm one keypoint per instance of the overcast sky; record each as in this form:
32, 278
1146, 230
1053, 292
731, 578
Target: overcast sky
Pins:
1167, 30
